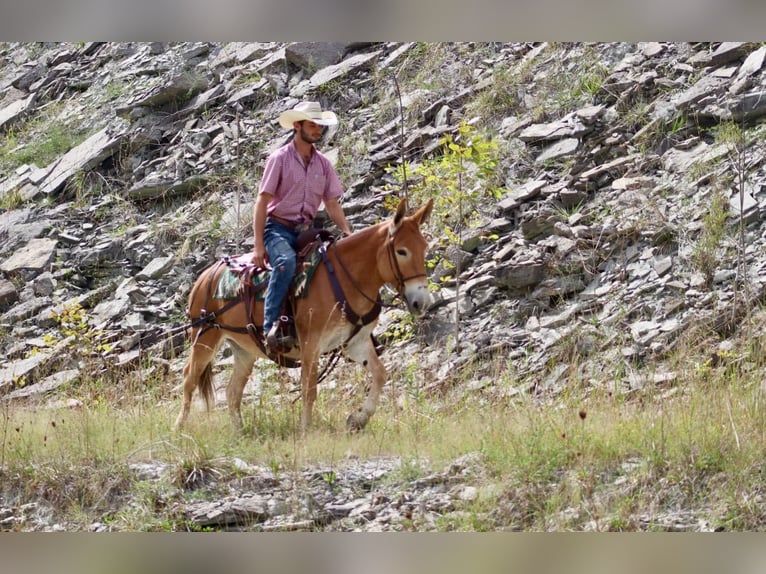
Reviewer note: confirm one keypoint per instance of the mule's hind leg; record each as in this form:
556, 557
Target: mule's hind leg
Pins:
243, 366
363, 352
196, 371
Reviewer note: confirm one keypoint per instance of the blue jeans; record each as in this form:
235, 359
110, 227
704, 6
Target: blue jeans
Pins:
280, 246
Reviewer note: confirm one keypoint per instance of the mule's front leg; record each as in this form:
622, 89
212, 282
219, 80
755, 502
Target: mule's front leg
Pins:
357, 420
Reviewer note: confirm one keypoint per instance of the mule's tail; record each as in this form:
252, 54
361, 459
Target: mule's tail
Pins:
205, 386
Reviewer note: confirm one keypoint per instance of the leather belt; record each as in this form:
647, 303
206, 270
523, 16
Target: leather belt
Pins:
291, 225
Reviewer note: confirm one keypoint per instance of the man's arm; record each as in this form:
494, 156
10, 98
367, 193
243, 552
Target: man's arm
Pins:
259, 223
335, 211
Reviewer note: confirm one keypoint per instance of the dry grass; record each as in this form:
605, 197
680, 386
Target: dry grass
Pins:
598, 457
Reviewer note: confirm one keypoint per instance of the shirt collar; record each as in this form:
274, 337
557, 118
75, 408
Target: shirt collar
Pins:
295, 151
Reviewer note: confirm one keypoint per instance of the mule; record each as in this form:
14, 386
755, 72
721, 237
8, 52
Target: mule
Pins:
338, 313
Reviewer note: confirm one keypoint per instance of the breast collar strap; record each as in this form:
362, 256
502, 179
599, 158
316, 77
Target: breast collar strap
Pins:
351, 316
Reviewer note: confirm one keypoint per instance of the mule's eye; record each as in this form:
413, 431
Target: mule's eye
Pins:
401, 252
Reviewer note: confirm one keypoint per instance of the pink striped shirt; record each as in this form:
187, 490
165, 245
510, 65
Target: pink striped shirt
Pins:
298, 190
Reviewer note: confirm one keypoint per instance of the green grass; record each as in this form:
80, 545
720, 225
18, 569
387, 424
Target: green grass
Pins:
705, 256
11, 200
39, 141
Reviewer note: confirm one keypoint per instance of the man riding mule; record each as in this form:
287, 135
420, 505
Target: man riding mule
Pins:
338, 313
296, 180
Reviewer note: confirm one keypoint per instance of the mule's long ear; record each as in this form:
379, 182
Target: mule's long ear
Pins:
401, 210
422, 214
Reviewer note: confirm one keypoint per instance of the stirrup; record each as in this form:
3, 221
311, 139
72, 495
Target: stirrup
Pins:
278, 341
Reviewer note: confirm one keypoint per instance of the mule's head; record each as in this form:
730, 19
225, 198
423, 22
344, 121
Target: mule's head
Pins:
405, 258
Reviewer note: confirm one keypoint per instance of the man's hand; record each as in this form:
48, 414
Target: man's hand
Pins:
261, 258
335, 211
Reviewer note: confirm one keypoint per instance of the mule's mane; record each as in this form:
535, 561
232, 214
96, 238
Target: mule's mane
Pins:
377, 228
369, 231
357, 253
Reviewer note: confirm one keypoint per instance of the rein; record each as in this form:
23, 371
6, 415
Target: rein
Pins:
352, 280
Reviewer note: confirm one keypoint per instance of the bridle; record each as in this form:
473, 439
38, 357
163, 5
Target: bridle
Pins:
398, 275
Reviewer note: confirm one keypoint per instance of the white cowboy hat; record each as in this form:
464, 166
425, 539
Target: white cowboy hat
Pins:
307, 111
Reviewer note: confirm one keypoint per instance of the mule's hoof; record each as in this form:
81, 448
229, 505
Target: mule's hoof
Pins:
356, 422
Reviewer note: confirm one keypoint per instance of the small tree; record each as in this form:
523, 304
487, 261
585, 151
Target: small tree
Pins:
460, 181
733, 136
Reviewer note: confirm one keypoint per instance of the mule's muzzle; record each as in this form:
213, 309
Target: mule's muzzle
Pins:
418, 299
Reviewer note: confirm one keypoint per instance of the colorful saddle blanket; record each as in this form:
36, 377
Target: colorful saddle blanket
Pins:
241, 266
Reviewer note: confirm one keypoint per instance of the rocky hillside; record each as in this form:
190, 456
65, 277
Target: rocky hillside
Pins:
127, 168
622, 214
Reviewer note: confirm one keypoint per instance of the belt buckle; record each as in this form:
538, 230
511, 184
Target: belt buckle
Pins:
301, 227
